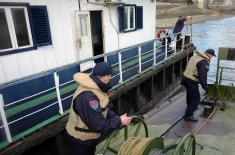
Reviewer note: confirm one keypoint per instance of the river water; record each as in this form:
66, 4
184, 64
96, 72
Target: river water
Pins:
215, 34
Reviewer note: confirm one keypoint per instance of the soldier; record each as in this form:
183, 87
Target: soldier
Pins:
179, 25
90, 116
195, 73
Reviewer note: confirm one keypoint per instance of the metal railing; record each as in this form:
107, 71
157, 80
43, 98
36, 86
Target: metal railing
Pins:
140, 60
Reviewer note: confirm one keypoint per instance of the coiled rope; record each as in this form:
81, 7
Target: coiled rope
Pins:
134, 146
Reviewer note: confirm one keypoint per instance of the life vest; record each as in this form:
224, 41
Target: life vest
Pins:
75, 126
191, 70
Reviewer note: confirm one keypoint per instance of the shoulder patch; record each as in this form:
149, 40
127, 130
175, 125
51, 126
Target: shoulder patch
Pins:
94, 104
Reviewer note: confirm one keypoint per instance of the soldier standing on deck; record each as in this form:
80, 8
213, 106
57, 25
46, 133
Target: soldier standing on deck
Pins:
195, 73
90, 117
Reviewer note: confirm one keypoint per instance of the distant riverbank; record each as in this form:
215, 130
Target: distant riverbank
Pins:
170, 22
167, 14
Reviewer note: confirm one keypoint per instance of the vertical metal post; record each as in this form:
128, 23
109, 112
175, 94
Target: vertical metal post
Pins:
191, 33
183, 40
154, 52
105, 59
57, 86
4, 120
139, 54
221, 75
217, 72
126, 133
175, 44
166, 48
120, 66
93, 63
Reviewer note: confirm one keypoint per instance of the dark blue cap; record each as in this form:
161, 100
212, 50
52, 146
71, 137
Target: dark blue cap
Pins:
211, 52
102, 69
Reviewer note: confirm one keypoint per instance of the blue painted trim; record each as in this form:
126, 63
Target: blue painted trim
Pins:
32, 85
57, 69
141, 44
13, 4
112, 59
147, 47
38, 75
139, 17
14, 51
130, 53
44, 19
31, 27
21, 90
33, 82
34, 119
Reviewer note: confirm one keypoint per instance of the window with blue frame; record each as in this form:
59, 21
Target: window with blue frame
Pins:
23, 28
15, 29
130, 18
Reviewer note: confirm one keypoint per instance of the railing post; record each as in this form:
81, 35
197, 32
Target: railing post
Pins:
166, 48
154, 52
93, 63
183, 40
175, 45
4, 120
120, 66
191, 33
105, 59
139, 54
57, 86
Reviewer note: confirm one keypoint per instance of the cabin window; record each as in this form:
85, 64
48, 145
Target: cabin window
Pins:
83, 25
5, 39
15, 29
130, 18
23, 27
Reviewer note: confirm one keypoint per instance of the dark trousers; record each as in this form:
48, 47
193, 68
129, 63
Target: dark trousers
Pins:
192, 96
78, 147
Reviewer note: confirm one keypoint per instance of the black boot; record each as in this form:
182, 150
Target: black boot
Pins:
190, 119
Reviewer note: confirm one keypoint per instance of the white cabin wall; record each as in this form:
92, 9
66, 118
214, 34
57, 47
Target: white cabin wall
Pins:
11, 68
2, 74
125, 39
138, 36
61, 52
63, 32
24, 63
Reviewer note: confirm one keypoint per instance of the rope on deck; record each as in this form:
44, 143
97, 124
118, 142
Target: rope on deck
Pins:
134, 146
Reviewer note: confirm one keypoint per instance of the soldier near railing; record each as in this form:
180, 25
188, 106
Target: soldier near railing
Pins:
91, 118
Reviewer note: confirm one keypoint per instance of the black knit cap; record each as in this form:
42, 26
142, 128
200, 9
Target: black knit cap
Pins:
211, 52
102, 69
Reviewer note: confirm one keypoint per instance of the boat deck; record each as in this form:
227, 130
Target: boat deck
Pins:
216, 137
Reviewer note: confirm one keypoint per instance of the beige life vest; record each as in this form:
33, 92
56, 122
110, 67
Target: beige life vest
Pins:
191, 70
74, 123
